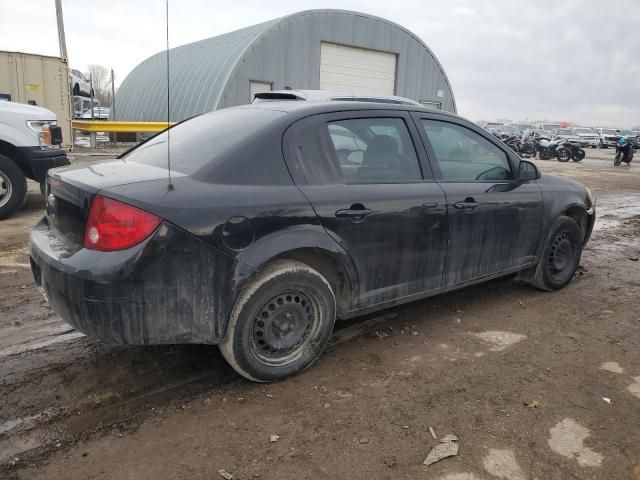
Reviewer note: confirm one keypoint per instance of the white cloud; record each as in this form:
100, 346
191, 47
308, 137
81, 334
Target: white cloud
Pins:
570, 60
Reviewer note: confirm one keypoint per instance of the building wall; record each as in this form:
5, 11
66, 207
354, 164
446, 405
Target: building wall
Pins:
288, 55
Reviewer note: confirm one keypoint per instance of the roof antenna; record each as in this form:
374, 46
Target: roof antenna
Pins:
170, 185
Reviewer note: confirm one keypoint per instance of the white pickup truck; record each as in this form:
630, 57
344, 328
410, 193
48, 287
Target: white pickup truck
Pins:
29, 146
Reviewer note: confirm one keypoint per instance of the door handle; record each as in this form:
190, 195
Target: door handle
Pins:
429, 205
468, 204
356, 215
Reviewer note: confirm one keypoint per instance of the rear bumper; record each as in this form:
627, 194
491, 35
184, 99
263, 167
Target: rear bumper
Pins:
35, 162
172, 288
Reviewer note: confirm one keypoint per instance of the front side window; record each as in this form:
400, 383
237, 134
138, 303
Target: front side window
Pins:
374, 150
463, 155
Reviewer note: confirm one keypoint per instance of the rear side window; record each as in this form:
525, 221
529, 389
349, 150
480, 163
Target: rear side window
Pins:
463, 155
374, 150
201, 140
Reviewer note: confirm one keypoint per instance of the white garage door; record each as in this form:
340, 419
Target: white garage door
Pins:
356, 69
258, 86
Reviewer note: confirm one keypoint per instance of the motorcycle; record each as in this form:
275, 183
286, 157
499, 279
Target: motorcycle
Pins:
577, 153
547, 149
624, 152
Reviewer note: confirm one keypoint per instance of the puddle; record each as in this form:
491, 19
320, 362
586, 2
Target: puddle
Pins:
461, 476
503, 464
613, 367
35, 345
19, 443
499, 340
23, 422
634, 388
612, 211
567, 439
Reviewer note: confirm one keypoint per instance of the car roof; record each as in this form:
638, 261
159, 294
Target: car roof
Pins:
308, 108
329, 95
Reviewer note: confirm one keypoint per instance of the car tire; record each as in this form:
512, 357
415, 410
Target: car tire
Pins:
13, 187
563, 154
561, 255
281, 322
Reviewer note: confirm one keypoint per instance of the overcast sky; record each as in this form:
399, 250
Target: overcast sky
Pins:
576, 60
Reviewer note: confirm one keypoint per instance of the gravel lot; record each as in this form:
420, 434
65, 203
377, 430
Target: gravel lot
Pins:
533, 384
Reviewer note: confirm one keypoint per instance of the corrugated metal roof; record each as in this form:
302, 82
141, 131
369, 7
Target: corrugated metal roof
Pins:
198, 73
216, 72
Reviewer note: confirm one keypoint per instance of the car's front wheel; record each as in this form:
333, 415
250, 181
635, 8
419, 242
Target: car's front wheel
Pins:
561, 255
281, 322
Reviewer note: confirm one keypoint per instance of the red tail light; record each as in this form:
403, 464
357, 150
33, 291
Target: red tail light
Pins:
113, 225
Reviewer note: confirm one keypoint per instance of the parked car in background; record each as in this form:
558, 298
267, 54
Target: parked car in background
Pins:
608, 137
99, 113
79, 84
522, 127
548, 127
503, 131
637, 135
264, 233
564, 133
29, 146
587, 137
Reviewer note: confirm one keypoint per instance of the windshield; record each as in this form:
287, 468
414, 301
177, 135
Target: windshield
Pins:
626, 132
584, 130
608, 131
550, 126
508, 129
200, 140
563, 131
525, 126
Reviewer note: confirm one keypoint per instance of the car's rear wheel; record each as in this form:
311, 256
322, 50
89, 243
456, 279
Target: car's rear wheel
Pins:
579, 155
281, 322
561, 255
13, 187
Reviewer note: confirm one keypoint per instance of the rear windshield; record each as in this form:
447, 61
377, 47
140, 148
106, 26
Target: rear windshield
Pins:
199, 140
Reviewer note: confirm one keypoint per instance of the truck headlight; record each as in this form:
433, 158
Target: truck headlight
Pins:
42, 128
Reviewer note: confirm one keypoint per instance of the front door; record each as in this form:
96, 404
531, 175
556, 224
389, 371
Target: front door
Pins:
364, 177
494, 220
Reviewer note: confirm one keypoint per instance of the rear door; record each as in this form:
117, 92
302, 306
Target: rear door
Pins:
494, 220
366, 181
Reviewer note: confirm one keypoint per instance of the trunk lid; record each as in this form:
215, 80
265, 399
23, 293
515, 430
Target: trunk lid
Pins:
70, 192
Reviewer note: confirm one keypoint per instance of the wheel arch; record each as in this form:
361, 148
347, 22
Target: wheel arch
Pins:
311, 246
12, 153
578, 213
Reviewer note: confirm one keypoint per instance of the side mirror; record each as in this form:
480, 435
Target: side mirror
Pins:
528, 171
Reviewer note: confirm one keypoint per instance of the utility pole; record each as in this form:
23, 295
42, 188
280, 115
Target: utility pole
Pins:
61, 38
113, 105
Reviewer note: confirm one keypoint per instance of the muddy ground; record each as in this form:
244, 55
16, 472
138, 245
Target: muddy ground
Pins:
535, 385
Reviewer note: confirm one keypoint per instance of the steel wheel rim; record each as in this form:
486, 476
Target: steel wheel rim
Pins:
284, 326
561, 257
5, 189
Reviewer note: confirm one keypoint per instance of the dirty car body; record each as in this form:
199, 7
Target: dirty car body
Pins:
387, 203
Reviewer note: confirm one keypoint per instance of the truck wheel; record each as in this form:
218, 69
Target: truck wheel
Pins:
561, 255
281, 322
13, 187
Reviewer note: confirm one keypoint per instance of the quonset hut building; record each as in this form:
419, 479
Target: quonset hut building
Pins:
316, 49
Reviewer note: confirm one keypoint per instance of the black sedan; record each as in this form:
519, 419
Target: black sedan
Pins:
255, 227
